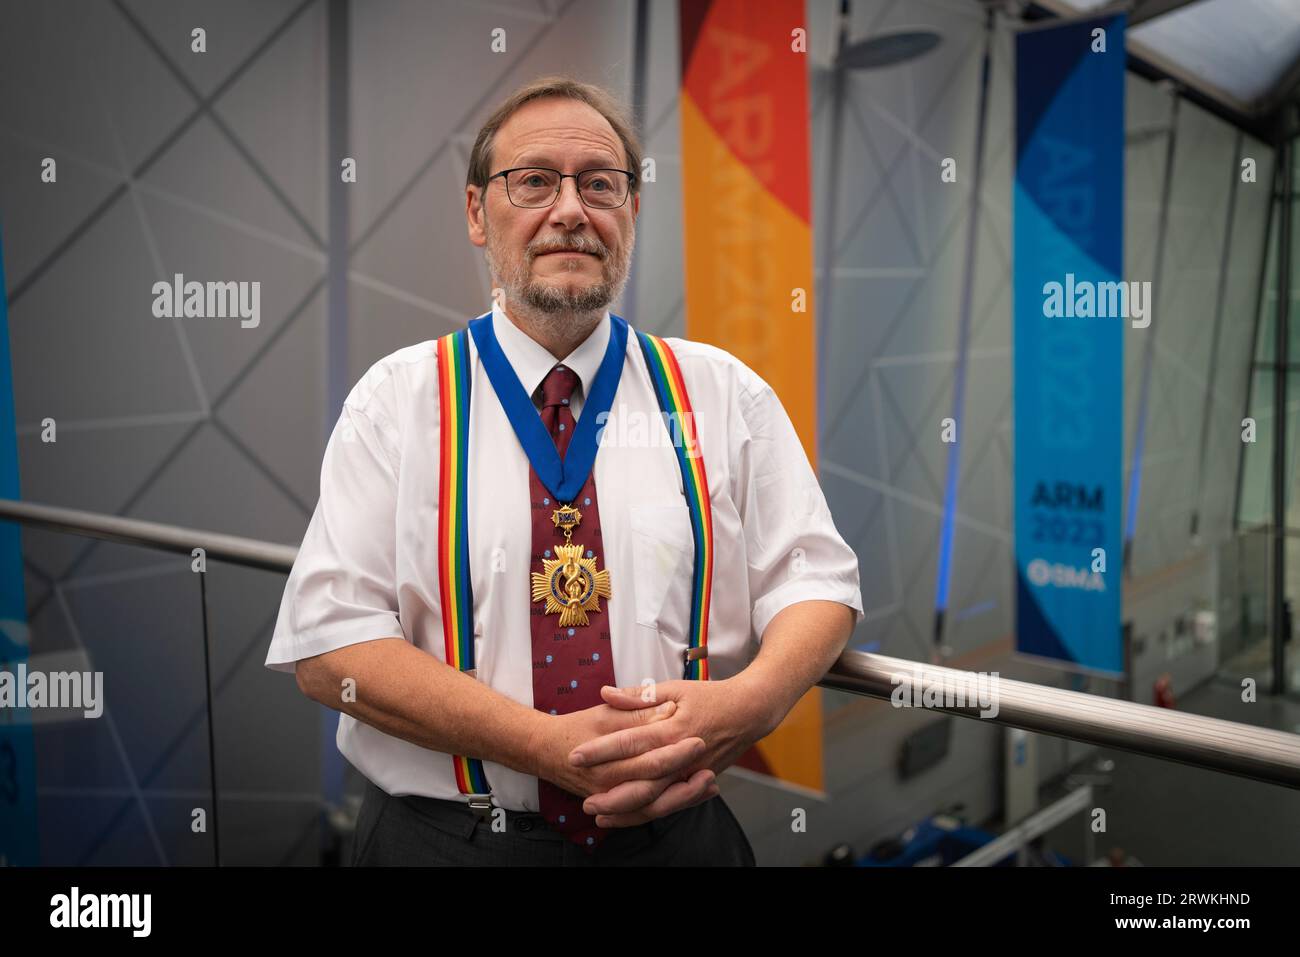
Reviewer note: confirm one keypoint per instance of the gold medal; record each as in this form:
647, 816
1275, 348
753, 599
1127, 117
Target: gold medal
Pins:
569, 583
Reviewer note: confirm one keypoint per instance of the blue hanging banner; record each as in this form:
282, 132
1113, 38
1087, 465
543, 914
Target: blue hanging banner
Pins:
1070, 306
18, 836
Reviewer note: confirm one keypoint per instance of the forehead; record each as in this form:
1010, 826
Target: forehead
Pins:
557, 130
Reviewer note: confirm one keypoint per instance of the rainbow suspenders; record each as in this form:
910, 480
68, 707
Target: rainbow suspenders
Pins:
454, 588
675, 404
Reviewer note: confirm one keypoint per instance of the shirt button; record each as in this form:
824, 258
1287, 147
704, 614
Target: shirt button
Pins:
525, 824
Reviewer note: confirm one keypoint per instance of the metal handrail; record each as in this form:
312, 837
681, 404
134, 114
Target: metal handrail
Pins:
1239, 749
133, 531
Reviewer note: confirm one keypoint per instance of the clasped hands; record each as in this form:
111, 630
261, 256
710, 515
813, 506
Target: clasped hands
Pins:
653, 750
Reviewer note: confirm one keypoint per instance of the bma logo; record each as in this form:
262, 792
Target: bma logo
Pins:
1042, 572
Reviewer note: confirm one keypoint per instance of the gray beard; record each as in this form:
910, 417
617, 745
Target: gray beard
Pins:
559, 310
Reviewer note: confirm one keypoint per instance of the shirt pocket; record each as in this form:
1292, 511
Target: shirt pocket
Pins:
663, 552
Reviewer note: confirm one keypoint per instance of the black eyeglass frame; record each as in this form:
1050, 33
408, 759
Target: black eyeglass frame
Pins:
631, 179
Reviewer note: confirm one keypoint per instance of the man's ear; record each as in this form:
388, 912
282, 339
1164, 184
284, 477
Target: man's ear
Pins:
474, 215
636, 205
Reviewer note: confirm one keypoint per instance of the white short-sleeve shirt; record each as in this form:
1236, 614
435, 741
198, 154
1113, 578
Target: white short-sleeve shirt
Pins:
368, 565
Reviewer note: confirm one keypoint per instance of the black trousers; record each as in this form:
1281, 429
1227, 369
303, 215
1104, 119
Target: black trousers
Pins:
419, 831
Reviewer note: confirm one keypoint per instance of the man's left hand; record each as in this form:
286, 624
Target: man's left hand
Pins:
728, 715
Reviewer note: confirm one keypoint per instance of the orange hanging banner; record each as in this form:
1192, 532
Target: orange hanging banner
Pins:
748, 241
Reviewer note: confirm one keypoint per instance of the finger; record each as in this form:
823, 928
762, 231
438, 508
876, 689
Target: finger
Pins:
646, 715
639, 696
642, 816
673, 762
676, 797
635, 783
643, 734
627, 796
677, 794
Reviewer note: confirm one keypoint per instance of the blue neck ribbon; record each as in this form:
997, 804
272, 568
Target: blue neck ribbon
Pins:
563, 477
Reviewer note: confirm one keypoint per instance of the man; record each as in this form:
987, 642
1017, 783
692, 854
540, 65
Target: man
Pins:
596, 748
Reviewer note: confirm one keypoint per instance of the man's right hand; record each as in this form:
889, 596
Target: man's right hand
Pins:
558, 735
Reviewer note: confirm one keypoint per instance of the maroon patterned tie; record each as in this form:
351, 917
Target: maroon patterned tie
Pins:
569, 664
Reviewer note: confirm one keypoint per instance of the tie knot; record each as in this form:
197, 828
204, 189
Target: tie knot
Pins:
558, 386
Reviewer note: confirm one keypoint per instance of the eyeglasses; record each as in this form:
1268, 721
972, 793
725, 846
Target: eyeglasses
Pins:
533, 187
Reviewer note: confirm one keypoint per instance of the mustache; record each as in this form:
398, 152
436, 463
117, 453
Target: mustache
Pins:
584, 244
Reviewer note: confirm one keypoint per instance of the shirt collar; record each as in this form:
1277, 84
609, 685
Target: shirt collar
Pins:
532, 361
